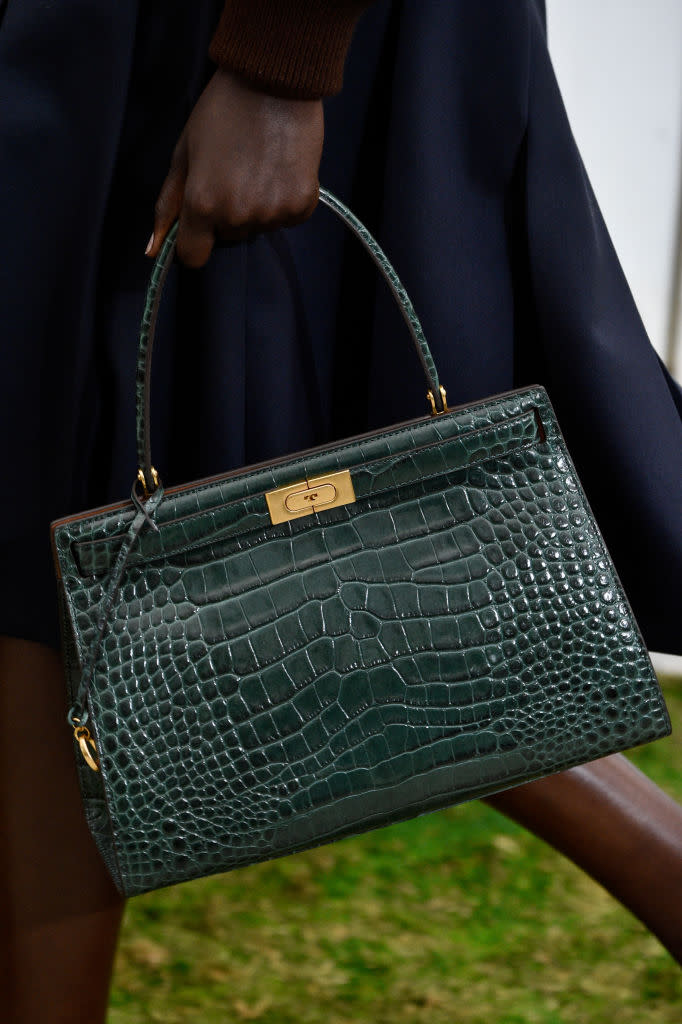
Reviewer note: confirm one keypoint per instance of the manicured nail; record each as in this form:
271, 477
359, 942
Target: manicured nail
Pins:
150, 243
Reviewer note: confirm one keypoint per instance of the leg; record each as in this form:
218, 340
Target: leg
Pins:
620, 828
61, 911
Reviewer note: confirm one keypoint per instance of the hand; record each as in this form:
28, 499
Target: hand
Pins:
245, 162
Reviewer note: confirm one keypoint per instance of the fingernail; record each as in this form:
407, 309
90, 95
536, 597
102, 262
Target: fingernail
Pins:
150, 243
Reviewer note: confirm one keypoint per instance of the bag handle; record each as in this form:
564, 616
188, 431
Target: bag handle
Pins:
147, 475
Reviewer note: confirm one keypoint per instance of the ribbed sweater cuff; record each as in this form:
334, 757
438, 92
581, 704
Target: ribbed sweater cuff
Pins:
287, 47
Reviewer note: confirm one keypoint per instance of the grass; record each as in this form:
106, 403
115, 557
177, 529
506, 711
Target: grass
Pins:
458, 917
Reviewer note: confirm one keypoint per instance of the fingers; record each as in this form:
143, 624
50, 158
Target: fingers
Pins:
181, 200
169, 204
208, 215
292, 208
195, 234
205, 218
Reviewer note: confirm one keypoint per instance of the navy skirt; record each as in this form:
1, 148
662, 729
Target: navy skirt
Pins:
450, 140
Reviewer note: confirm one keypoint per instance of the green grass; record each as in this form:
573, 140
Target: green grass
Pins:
458, 917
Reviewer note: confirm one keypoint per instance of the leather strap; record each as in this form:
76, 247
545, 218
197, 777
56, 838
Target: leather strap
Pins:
153, 302
146, 510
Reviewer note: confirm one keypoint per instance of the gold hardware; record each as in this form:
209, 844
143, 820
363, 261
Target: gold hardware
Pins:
308, 496
87, 745
141, 478
432, 400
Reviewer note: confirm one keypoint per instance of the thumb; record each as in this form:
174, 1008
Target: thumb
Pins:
169, 203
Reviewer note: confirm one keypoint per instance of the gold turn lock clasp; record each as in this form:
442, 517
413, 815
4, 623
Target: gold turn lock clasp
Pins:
308, 496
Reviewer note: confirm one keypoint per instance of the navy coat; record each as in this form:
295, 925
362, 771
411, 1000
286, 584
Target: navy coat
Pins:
450, 139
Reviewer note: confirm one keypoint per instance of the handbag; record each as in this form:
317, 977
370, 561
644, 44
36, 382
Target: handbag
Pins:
342, 638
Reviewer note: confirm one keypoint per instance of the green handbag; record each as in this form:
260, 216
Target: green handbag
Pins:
343, 638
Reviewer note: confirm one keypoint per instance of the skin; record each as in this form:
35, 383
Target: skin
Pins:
620, 828
60, 911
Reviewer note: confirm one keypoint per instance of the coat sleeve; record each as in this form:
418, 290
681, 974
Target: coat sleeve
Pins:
288, 47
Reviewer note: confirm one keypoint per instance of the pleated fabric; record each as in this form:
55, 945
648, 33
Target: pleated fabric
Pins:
450, 139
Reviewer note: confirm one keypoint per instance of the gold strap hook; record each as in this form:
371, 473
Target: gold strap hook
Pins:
444, 398
85, 741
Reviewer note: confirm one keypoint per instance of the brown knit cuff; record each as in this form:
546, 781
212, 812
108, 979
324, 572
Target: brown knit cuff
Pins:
287, 47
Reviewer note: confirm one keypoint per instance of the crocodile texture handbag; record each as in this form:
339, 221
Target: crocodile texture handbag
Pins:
267, 660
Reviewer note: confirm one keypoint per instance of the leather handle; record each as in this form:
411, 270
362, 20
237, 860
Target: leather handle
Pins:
153, 301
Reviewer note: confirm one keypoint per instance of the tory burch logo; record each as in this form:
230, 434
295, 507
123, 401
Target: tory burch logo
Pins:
310, 496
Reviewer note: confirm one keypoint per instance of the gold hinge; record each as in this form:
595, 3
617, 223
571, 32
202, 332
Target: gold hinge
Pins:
307, 496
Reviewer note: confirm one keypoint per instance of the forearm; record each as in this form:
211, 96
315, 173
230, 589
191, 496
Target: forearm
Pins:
291, 48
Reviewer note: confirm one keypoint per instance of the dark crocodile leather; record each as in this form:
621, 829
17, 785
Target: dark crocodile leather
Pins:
261, 689
255, 689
